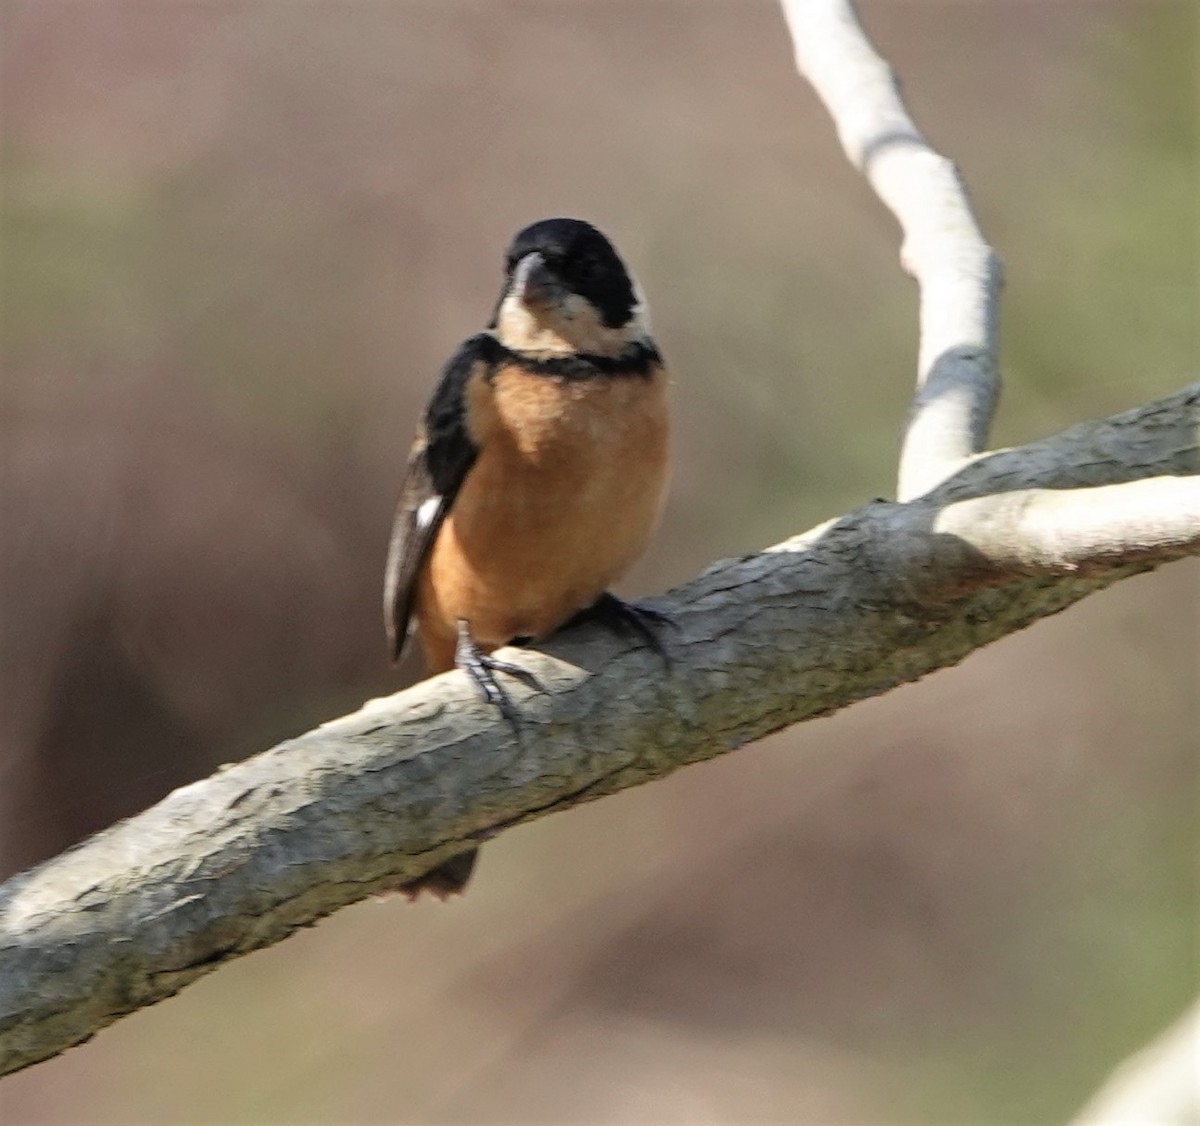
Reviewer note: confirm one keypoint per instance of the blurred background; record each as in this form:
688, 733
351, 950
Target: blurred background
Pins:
239, 239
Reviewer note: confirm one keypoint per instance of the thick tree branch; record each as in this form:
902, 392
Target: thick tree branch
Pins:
958, 383
238, 861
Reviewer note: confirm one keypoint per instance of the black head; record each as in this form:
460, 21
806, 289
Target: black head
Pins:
583, 261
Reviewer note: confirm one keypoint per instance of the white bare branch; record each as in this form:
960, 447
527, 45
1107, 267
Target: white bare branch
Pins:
958, 382
1053, 531
1159, 1086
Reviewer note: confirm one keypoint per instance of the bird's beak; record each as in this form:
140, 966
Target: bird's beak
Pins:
535, 284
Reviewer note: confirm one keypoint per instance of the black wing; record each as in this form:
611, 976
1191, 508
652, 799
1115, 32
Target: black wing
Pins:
439, 462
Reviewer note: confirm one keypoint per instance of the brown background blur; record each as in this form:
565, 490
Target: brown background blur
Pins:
238, 241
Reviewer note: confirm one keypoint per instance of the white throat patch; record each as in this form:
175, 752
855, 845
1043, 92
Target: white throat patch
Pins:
572, 324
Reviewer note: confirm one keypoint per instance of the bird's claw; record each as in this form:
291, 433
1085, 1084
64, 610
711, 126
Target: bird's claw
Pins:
630, 616
482, 667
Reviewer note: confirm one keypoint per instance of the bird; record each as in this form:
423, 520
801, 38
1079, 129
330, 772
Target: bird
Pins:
537, 476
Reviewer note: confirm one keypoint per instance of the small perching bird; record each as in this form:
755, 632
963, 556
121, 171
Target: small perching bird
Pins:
538, 472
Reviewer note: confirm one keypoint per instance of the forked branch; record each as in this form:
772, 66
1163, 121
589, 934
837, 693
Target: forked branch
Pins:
849, 610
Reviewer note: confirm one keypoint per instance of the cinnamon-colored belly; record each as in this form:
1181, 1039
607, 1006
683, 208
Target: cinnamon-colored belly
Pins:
562, 499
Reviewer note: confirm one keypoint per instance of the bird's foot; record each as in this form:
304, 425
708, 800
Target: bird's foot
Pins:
630, 616
482, 667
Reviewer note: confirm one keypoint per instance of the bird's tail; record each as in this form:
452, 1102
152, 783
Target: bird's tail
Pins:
447, 879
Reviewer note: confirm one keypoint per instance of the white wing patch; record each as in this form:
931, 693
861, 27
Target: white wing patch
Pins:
428, 511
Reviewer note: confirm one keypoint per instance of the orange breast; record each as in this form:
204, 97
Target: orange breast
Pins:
562, 499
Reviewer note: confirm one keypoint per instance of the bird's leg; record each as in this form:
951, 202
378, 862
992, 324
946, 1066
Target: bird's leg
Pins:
619, 614
482, 667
